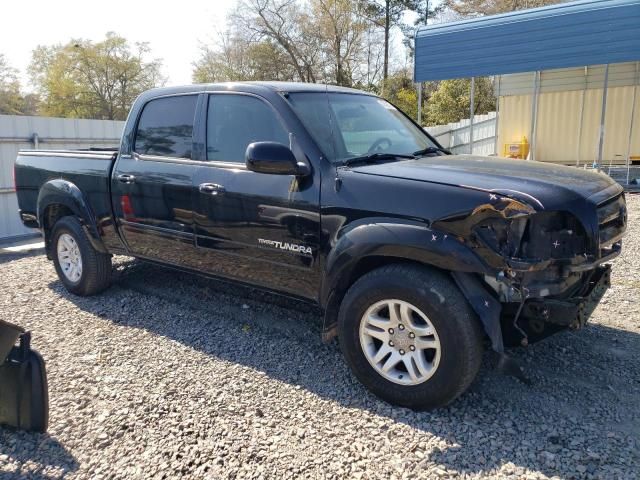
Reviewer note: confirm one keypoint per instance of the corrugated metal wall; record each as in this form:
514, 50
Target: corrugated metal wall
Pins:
558, 137
17, 132
455, 136
562, 79
556, 36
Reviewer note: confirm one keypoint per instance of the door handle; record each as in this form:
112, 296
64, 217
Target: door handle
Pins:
211, 188
125, 178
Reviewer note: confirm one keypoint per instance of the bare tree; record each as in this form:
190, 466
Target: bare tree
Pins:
342, 30
286, 40
374, 58
240, 56
282, 21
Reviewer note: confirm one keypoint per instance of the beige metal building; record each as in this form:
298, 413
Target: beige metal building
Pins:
567, 125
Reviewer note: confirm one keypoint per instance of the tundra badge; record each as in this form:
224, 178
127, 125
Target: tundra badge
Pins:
292, 247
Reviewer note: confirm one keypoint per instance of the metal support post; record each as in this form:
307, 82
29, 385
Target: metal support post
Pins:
471, 113
419, 104
603, 114
534, 115
496, 145
581, 120
633, 114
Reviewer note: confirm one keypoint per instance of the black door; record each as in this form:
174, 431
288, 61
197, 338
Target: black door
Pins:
152, 186
258, 228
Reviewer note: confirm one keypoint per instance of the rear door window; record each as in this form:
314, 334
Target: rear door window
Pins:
166, 127
235, 121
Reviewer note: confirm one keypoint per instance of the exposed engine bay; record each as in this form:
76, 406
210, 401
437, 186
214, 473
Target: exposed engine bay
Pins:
550, 266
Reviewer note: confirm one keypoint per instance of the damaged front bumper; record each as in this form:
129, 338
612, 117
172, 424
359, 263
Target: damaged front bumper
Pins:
572, 312
533, 318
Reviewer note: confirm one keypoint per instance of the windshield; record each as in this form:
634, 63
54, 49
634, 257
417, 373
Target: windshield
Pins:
351, 125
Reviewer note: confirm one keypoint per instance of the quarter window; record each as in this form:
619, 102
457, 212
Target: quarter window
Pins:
235, 121
166, 127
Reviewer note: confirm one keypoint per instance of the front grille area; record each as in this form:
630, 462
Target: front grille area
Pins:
612, 221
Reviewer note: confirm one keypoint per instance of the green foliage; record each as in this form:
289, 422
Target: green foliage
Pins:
450, 101
12, 101
401, 91
83, 79
476, 8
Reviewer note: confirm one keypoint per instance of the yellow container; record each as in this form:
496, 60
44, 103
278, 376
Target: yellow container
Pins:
517, 150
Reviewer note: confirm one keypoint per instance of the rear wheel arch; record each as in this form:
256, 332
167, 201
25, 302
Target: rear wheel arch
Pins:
49, 217
60, 198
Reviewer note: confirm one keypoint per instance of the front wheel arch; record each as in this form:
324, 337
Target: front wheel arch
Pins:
362, 267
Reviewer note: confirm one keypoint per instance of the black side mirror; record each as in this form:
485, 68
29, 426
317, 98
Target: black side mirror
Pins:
274, 158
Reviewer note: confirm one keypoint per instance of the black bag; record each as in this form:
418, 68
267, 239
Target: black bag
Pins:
24, 393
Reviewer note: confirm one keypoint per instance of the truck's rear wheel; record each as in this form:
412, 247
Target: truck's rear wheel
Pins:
410, 336
81, 268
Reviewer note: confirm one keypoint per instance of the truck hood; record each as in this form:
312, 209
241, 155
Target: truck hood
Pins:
541, 185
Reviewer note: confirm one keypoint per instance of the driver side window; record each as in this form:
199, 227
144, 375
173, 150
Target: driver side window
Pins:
235, 121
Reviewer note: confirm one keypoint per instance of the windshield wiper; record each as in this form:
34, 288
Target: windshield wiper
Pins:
371, 157
429, 150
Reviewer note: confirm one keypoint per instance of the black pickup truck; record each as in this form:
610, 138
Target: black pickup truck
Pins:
334, 196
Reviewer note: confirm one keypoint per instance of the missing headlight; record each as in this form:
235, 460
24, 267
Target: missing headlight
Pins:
553, 235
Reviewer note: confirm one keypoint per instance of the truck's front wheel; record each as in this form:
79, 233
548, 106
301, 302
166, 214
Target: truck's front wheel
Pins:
409, 335
81, 268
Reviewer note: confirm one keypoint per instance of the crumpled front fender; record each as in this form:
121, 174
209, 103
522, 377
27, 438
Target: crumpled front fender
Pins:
395, 239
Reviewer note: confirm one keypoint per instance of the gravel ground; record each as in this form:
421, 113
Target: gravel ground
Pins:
168, 375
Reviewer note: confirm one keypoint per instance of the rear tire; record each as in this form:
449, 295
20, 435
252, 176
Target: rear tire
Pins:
81, 268
430, 316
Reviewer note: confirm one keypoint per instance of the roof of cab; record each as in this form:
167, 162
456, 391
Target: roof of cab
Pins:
252, 87
304, 87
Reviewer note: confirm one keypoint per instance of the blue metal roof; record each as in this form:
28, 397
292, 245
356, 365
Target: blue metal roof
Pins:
574, 34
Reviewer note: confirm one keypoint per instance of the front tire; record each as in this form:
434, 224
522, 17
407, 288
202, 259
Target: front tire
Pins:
410, 336
81, 268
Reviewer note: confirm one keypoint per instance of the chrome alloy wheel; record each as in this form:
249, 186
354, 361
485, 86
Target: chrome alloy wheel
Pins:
69, 257
400, 342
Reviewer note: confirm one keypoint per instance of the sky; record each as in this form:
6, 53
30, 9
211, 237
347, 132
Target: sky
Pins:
174, 30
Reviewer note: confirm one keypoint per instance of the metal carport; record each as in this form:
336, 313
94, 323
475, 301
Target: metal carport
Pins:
581, 33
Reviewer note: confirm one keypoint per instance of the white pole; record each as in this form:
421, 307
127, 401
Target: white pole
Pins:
419, 104
603, 113
471, 113
633, 113
534, 115
426, 22
581, 122
496, 146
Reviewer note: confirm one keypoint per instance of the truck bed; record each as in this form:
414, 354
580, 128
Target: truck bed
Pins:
88, 169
